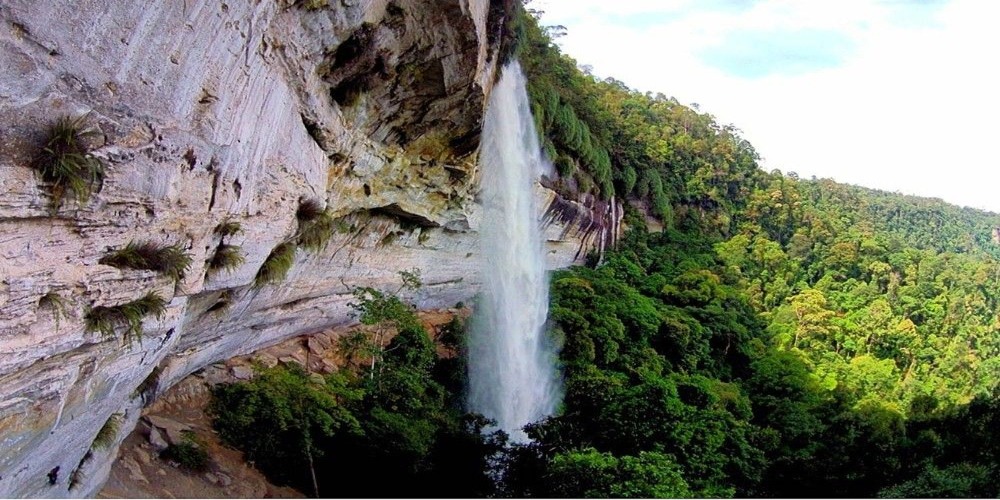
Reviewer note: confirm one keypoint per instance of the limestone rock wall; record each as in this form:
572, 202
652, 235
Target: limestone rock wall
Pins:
208, 111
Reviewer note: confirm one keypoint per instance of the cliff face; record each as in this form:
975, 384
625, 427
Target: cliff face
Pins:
206, 112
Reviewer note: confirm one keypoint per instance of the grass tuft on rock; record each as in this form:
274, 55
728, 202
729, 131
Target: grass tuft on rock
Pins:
76, 477
169, 260
276, 266
309, 210
129, 316
108, 432
65, 164
228, 228
316, 225
56, 303
228, 257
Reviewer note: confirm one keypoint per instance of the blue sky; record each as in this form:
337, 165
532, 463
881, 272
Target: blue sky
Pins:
902, 95
759, 53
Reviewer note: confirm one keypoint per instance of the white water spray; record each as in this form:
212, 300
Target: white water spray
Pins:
512, 375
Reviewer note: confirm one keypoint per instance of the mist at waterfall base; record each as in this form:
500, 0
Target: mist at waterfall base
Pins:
512, 374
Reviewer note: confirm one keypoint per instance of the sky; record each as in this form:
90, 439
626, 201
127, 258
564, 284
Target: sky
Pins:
900, 95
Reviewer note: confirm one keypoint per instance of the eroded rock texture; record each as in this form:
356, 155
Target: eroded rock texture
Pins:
207, 111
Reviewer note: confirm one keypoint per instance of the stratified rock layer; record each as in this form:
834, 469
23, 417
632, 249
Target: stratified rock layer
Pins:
212, 111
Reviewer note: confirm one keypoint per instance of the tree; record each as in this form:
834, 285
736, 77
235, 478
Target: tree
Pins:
591, 474
296, 409
385, 312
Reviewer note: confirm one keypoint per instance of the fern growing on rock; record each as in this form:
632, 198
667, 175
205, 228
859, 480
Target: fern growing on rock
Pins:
228, 228
169, 260
56, 303
316, 225
107, 320
65, 163
228, 257
276, 266
108, 432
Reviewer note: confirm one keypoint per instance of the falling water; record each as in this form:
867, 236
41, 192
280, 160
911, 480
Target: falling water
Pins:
512, 377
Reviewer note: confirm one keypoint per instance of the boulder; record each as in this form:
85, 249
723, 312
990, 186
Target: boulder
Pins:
172, 429
156, 440
242, 372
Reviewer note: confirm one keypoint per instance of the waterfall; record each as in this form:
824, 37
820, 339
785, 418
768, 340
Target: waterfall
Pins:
512, 374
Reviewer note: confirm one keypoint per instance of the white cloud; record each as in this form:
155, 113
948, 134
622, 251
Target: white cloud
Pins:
913, 108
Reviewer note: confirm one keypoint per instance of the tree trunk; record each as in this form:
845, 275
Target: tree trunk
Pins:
312, 471
376, 353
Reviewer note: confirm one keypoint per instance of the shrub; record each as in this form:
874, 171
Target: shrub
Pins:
228, 228
565, 166
188, 454
316, 225
168, 260
107, 319
276, 265
228, 257
282, 419
108, 432
65, 163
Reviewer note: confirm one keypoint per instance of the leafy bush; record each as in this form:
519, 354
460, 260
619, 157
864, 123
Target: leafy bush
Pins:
279, 417
168, 260
564, 165
590, 474
228, 257
316, 225
276, 265
65, 163
106, 320
188, 454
